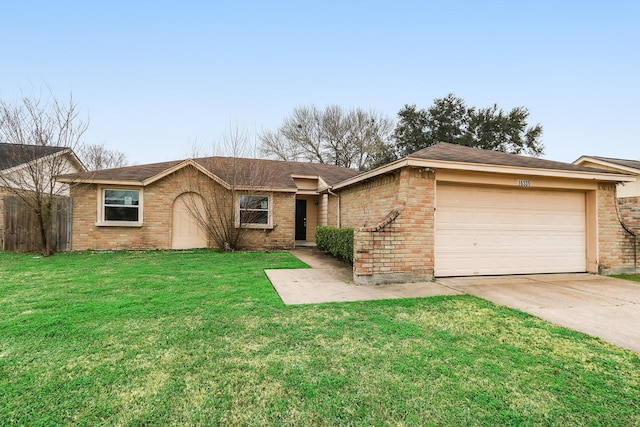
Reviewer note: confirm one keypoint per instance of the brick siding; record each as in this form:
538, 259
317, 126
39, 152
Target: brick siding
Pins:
616, 246
630, 213
393, 221
155, 232
393, 218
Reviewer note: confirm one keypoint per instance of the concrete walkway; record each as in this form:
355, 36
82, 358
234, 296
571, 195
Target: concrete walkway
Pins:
329, 280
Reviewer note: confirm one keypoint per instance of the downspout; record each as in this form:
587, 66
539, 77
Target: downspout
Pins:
339, 204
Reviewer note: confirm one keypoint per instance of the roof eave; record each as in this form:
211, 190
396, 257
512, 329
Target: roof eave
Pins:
373, 173
147, 181
264, 189
72, 180
521, 170
479, 167
601, 162
77, 161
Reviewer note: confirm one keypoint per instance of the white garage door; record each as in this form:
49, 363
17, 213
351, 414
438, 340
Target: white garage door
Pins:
486, 231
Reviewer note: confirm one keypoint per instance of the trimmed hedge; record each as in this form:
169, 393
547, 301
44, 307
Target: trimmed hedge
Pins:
337, 241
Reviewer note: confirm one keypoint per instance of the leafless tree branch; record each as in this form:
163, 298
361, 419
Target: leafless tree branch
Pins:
351, 138
39, 133
97, 157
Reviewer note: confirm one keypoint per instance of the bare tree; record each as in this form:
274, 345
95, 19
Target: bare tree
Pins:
355, 139
40, 138
228, 196
369, 136
97, 157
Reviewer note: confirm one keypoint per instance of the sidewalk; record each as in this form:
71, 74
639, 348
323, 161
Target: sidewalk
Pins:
330, 280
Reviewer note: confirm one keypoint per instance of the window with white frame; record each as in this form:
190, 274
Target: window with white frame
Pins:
121, 205
254, 210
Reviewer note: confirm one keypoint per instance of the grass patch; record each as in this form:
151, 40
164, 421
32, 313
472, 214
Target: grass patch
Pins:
201, 338
634, 277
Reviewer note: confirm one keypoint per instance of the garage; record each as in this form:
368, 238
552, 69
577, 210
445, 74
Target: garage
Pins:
508, 230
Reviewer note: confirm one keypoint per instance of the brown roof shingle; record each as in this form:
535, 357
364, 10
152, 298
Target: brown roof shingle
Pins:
459, 153
238, 171
271, 173
136, 173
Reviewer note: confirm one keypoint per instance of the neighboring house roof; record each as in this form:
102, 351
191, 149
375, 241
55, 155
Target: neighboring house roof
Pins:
632, 166
13, 155
248, 172
453, 156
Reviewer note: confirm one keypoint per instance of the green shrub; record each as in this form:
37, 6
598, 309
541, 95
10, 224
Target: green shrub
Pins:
337, 241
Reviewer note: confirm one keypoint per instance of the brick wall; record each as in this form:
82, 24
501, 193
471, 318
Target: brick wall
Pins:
616, 246
629, 208
367, 203
155, 233
393, 218
283, 232
332, 210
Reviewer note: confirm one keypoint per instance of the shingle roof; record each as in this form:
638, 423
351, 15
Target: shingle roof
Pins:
128, 173
459, 153
12, 155
250, 172
274, 173
633, 164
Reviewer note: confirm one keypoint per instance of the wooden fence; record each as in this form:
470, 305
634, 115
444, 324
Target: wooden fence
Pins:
21, 232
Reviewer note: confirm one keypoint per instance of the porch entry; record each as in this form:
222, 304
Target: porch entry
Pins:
301, 219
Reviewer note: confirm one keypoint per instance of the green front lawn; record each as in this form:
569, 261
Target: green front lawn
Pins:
634, 277
201, 338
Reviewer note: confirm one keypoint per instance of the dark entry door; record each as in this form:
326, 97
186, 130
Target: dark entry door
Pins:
301, 219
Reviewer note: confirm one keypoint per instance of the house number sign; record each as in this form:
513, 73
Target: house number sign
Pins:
524, 183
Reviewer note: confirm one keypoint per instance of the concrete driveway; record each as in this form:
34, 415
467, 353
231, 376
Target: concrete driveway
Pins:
597, 305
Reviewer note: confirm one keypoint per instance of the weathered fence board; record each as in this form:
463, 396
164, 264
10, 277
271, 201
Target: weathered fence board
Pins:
22, 230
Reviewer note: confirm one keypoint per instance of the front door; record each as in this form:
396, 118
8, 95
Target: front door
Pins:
301, 219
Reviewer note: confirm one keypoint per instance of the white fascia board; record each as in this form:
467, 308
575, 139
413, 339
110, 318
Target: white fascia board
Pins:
78, 162
478, 167
518, 170
100, 181
618, 166
301, 176
253, 188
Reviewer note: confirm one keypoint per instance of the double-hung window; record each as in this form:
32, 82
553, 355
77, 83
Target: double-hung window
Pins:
254, 211
121, 206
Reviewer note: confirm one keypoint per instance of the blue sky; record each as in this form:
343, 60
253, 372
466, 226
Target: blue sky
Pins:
154, 77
